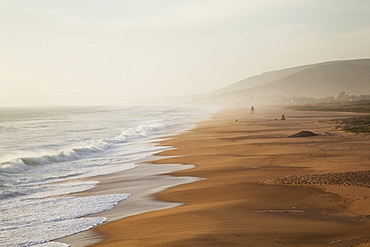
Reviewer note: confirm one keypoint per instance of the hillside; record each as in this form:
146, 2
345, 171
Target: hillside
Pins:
262, 79
316, 80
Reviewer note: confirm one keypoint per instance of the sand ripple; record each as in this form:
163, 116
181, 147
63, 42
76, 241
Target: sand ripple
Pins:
358, 178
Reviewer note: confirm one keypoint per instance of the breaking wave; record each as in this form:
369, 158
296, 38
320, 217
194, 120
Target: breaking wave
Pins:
23, 161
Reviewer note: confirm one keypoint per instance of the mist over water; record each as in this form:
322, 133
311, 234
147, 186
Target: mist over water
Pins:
41, 147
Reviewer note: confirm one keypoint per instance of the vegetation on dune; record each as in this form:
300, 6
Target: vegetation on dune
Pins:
361, 106
352, 107
344, 103
355, 125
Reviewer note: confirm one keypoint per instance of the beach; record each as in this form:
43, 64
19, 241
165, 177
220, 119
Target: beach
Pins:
252, 186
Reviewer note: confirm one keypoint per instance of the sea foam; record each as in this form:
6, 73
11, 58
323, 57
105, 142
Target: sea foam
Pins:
51, 218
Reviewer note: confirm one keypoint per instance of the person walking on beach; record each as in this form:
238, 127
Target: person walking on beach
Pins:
252, 110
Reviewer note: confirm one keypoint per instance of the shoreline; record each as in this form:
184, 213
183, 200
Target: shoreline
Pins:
236, 203
142, 182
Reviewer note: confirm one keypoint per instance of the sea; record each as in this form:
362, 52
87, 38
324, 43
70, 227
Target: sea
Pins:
49, 153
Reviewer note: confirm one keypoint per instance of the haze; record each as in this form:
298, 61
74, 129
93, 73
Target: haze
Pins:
69, 52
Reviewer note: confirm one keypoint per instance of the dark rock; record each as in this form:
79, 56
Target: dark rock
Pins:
304, 134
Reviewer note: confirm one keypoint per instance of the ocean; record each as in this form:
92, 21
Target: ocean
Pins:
45, 152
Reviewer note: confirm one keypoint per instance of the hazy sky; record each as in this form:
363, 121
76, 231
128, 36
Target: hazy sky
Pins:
105, 51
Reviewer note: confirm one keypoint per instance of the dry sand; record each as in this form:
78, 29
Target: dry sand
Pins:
260, 188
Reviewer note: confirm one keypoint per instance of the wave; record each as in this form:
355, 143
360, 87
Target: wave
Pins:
23, 161
62, 215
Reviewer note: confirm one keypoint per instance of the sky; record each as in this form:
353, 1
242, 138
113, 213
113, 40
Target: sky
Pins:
96, 52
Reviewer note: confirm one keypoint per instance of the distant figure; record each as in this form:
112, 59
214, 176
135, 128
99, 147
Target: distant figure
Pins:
252, 110
282, 117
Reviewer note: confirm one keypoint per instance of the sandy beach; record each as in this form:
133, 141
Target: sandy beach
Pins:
257, 188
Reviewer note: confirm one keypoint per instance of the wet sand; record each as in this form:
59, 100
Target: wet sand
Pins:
260, 188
